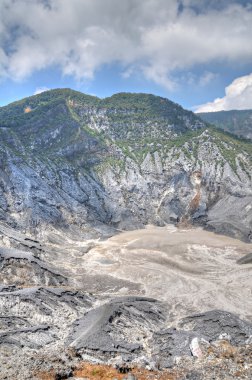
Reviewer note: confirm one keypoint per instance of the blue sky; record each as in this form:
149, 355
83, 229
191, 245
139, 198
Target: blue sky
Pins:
192, 52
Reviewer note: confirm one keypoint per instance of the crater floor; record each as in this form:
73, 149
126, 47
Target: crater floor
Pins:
191, 270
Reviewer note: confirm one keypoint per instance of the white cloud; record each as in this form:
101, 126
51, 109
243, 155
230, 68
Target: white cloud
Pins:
207, 77
238, 95
154, 37
202, 80
39, 90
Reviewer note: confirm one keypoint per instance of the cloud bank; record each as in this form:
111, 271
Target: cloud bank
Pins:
238, 95
153, 37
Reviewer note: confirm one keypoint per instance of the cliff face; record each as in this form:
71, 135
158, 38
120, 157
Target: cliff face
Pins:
120, 162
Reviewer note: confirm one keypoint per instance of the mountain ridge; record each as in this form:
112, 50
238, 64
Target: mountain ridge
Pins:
238, 122
124, 161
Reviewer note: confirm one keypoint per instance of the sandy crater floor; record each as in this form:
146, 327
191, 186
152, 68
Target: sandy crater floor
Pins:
191, 270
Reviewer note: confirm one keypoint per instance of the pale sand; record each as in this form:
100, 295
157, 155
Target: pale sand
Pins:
191, 270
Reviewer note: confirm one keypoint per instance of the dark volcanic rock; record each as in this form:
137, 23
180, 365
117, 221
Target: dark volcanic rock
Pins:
33, 337
216, 322
45, 325
121, 326
170, 343
127, 326
245, 259
133, 328
210, 326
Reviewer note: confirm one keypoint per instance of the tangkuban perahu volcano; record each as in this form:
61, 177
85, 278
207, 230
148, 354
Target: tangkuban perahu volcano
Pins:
125, 240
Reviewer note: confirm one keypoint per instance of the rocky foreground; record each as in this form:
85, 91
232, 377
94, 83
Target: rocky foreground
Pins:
130, 334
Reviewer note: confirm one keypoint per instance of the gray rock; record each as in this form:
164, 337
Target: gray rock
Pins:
22, 268
213, 323
34, 317
172, 343
247, 259
119, 326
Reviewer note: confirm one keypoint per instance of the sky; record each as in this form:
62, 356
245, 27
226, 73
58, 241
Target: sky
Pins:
197, 53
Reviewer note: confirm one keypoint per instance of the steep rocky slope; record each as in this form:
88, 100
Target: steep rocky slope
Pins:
125, 161
238, 122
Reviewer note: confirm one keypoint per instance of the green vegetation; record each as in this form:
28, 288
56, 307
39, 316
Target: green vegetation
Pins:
86, 131
238, 144
236, 122
13, 115
231, 146
109, 162
147, 104
138, 149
